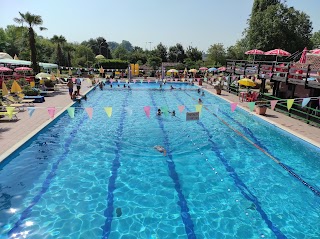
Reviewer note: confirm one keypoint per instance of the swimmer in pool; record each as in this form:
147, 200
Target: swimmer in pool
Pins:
161, 149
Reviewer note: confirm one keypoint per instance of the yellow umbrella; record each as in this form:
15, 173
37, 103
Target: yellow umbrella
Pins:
101, 70
58, 73
70, 72
52, 77
193, 70
246, 82
4, 89
16, 57
15, 87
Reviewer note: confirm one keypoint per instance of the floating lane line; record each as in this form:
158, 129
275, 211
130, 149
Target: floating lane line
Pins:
184, 209
26, 213
245, 191
108, 213
263, 150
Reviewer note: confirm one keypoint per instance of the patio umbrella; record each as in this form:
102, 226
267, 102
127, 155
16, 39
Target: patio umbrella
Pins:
315, 51
303, 57
70, 72
15, 88
203, 68
23, 68
58, 73
4, 89
173, 71
15, 57
223, 68
246, 82
101, 70
193, 70
42, 75
254, 52
277, 52
212, 69
5, 69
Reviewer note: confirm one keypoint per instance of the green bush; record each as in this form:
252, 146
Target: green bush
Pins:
49, 83
28, 91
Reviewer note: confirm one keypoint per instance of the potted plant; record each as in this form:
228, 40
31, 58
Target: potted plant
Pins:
28, 91
261, 107
218, 86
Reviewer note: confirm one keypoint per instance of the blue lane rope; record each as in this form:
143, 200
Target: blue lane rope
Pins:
26, 213
245, 191
257, 145
108, 213
185, 215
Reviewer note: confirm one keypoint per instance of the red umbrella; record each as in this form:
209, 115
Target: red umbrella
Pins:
303, 57
203, 68
23, 68
222, 68
277, 52
315, 51
4, 69
254, 52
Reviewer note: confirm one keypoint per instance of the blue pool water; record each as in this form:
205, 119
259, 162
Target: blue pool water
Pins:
228, 175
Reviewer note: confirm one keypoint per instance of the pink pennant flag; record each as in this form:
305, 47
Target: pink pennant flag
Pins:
30, 111
111, 80
89, 112
148, 81
270, 74
305, 101
134, 80
51, 111
233, 106
141, 81
147, 110
181, 108
273, 103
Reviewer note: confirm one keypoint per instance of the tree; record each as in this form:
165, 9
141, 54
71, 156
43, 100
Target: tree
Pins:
176, 53
113, 45
3, 40
275, 25
237, 52
45, 49
161, 51
194, 54
315, 39
216, 54
99, 46
126, 45
59, 40
154, 62
120, 52
70, 48
31, 20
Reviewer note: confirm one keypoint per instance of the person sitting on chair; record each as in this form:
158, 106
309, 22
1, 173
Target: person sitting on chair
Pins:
249, 96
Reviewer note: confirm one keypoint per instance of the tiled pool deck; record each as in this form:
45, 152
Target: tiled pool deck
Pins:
14, 133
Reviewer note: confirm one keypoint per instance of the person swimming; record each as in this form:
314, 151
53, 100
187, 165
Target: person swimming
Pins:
159, 112
199, 101
160, 149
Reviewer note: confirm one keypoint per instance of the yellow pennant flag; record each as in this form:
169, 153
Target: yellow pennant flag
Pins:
198, 108
10, 111
108, 110
290, 103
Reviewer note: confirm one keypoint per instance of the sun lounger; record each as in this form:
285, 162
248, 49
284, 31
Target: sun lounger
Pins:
19, 101
20, 107
46, 93
7, 114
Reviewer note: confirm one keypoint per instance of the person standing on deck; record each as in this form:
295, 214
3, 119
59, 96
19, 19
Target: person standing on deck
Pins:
78, 83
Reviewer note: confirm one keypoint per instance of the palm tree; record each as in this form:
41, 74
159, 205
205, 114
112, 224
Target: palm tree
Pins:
31, 20
59, 40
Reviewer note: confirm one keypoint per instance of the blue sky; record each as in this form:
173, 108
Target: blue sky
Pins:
198, 23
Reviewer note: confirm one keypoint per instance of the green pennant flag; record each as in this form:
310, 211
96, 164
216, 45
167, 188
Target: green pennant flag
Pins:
71, 112
251, 105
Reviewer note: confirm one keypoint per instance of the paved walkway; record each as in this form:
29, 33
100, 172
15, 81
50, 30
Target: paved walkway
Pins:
14, 134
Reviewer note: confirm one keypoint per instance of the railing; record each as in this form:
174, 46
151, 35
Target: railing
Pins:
307, 114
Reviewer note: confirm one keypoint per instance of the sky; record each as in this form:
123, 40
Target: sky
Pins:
146, 23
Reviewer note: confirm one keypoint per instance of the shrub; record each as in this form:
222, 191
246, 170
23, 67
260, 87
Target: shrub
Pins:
27, 90
49, 83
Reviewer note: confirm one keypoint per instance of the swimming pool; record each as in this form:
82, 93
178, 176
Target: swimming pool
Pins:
228, 175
